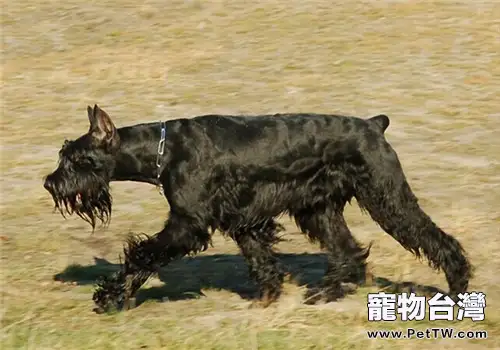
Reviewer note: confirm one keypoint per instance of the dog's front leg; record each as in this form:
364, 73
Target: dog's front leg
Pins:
143, 257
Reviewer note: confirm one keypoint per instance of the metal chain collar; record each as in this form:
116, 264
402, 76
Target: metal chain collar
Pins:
161, 150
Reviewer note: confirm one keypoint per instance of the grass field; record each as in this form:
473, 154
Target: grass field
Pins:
432, 66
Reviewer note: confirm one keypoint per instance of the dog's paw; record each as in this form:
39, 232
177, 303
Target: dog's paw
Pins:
109, 295
129, 304
112, 307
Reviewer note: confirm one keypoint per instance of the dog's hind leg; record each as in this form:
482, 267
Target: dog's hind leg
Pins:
387, 196
346, 258
256, 245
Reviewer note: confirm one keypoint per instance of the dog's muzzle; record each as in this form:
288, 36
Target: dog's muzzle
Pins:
49, 185
84, 194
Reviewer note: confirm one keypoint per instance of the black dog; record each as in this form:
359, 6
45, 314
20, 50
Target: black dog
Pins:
237, 174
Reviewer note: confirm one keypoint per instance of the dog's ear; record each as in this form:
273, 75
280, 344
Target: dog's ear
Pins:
90, 113
381, 121
102, 128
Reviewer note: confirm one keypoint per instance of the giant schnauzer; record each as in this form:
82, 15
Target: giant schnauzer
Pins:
237, 174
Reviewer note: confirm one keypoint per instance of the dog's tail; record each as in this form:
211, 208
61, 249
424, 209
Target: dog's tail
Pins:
381, 121
388, 198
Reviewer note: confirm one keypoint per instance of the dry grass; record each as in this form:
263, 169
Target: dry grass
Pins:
432, 66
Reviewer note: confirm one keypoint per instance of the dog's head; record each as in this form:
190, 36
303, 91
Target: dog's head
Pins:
80, 184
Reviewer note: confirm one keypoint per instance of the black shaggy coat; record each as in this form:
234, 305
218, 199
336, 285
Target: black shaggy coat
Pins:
238, 173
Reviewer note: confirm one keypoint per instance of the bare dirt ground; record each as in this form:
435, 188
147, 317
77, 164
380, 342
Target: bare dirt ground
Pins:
432, 66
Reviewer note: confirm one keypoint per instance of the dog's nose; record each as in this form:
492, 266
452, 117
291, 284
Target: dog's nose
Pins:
46, 184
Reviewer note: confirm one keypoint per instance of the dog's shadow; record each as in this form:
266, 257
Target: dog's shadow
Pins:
186, 278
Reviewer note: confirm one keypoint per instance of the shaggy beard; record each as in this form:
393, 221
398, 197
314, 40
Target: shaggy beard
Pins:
87, 195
